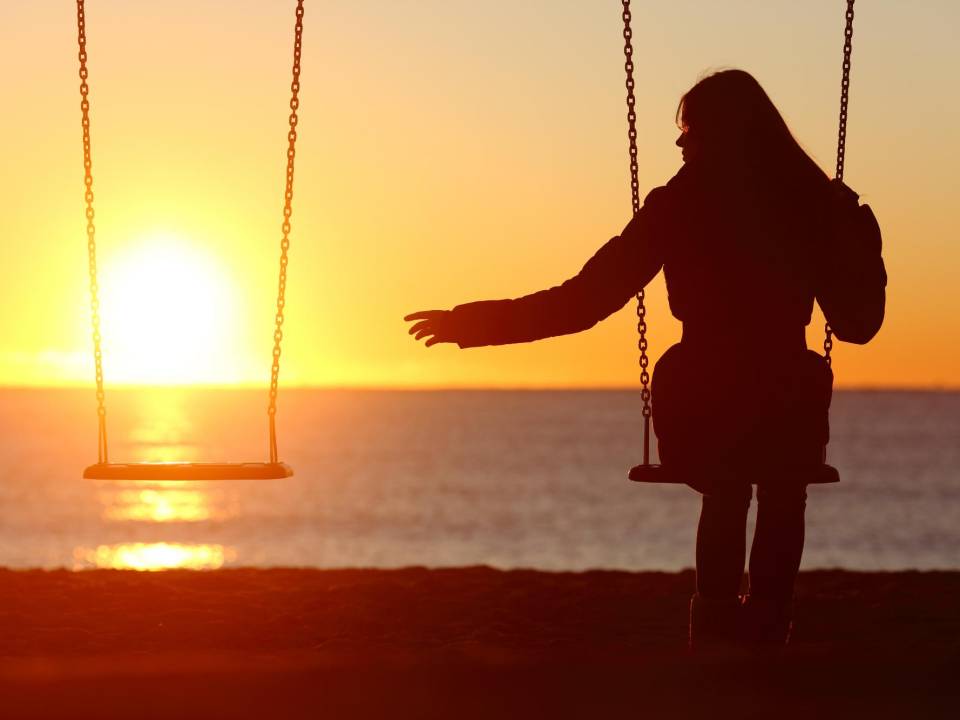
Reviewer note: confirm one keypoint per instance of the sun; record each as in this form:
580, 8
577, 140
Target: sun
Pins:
169, 314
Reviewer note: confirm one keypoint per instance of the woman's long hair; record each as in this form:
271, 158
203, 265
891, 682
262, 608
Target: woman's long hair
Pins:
740, 128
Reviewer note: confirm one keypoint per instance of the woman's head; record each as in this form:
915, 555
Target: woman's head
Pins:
727, 118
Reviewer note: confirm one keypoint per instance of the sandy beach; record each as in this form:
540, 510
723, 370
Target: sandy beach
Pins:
466, 642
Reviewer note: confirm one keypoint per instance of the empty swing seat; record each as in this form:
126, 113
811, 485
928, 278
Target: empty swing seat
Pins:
815, 475
188, 471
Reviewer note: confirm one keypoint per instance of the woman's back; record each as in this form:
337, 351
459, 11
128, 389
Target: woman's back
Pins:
740, 259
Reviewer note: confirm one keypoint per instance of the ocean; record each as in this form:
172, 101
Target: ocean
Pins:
440, 478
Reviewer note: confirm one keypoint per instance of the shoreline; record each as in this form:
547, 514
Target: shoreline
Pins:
464, 642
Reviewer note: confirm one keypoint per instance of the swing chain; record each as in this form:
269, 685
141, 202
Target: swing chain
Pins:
644, 360
845, 90
285, 229
635, 202
841, 137
631, 106
91, 232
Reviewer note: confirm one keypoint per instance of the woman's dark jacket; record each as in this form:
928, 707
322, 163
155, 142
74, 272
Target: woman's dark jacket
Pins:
743, 263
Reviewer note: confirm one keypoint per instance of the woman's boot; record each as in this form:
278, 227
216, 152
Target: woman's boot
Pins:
714, 623
765, 622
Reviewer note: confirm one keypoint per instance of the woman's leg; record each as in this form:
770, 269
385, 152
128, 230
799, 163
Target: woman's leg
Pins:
777, 542
721, 551
775, 561
721, 542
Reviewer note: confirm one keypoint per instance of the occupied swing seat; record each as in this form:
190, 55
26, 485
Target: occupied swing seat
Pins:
774, 427
815, 475
179, 471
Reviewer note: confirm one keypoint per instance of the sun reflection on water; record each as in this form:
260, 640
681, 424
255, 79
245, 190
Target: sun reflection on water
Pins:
173, 502
153, 556
162, 427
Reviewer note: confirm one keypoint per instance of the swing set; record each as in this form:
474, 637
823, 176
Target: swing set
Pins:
646, 471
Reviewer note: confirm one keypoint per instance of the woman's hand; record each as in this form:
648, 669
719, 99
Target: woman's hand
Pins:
435, 325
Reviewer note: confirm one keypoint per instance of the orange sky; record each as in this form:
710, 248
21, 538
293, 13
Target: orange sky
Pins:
449, 151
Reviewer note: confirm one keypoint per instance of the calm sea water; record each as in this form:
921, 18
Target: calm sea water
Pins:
387, 479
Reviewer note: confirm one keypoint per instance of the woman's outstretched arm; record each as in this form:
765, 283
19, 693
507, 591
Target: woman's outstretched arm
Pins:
617, 271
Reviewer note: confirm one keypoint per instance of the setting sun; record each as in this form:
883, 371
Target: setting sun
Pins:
169, 314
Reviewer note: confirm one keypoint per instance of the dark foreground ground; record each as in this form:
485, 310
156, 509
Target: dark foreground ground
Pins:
460, 643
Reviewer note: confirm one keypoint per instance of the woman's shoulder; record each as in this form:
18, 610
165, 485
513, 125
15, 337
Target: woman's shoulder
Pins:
676, 194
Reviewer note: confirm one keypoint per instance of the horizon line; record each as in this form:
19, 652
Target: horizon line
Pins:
933, 388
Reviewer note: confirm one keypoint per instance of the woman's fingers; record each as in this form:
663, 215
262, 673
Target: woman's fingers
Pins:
418, 326
425, 314
432, 338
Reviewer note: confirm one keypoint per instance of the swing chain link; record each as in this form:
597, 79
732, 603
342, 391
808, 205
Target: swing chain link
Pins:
91, 232
285, 229
841, 138
635, 201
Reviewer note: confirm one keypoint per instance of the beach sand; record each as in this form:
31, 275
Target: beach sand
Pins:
464, 642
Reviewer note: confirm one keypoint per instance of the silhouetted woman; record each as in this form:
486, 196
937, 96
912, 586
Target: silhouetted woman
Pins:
747, 234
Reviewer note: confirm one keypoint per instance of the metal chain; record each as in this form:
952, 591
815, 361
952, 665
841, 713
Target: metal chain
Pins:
841, 138
91, 232
285, 228
845, 90
635, 202
631, 106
